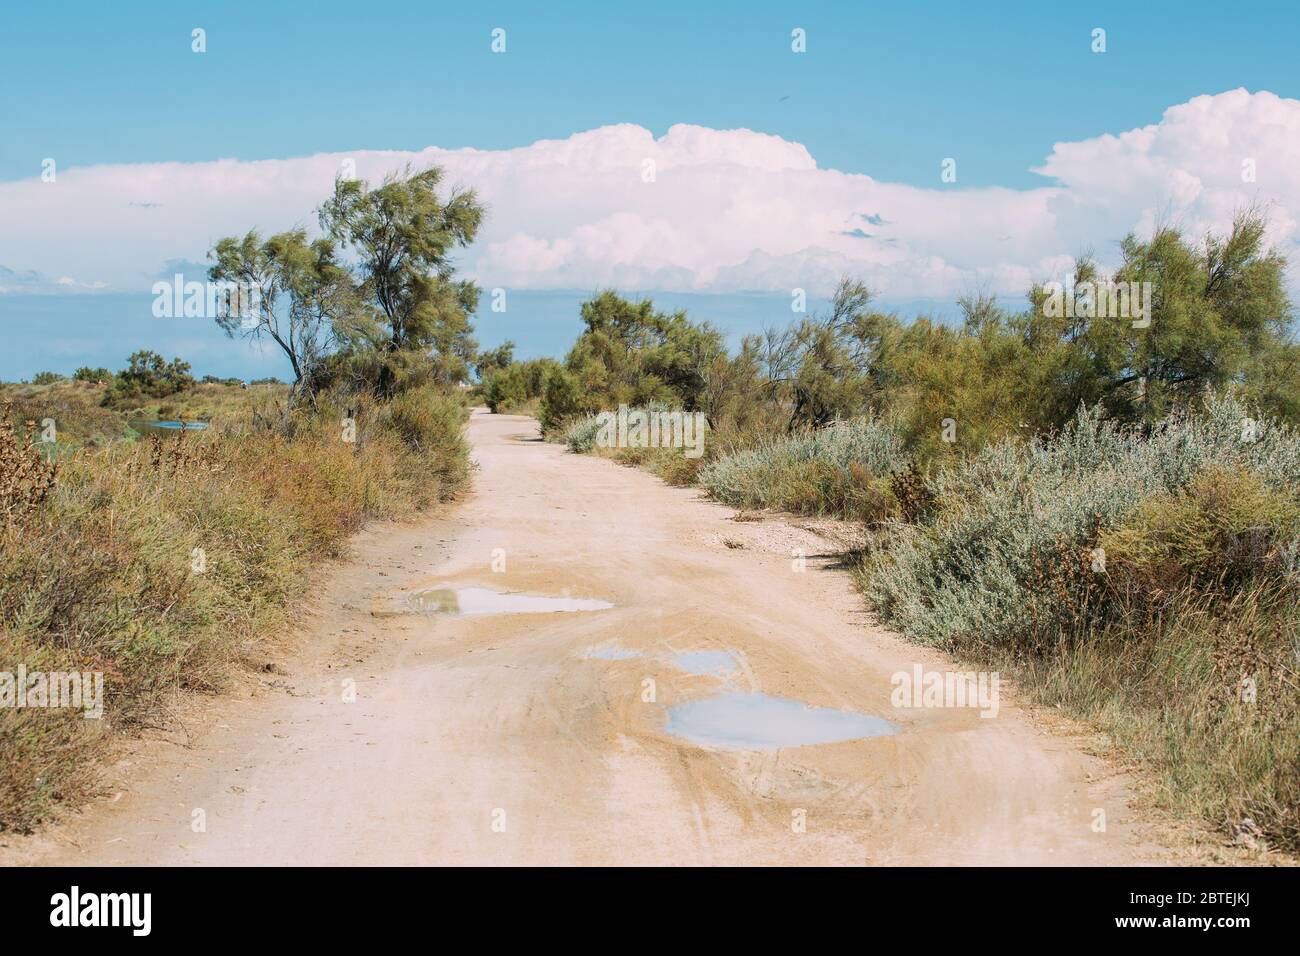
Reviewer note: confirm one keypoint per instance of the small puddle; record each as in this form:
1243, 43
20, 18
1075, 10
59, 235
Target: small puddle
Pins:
739, 721
611, 653
470, 602
713, 663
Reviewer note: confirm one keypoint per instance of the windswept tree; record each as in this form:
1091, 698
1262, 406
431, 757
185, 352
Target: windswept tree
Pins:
825, 366
402, 234
287, 289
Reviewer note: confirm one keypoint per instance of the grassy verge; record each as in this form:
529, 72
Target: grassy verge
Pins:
162, 563
673, 465
1203, 696
854, 470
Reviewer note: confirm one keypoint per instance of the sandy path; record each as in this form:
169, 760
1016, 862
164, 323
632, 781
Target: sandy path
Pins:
463, 724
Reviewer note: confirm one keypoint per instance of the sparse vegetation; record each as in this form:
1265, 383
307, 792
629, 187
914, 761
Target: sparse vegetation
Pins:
98, 567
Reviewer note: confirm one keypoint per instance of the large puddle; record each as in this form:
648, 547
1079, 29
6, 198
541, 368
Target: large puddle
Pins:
469, 602
739, 721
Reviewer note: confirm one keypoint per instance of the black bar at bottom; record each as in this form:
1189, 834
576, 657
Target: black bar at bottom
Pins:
366, 905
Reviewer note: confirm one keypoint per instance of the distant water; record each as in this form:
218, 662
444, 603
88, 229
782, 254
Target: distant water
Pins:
145, 426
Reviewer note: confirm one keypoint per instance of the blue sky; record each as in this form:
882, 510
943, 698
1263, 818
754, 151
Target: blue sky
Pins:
885, 89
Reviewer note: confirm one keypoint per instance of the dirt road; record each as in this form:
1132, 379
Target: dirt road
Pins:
543, 737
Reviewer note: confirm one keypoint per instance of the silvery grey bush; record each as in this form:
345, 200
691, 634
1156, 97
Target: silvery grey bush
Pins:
580, 436
746, 476
581, 433
961, 577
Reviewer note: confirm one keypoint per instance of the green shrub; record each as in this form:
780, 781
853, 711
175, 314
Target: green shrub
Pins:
370, 371
431, 423
515, 387
148, 374
1224, 531
562, 400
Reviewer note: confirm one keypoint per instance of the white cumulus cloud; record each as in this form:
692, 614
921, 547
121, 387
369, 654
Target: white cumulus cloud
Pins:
699, 209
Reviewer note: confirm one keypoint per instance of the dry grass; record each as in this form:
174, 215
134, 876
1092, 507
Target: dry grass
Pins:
26, 477
1206, 697
670, 464
84, 416
163, 563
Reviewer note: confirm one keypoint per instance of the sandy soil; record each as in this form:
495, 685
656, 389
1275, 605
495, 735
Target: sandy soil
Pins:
497, 739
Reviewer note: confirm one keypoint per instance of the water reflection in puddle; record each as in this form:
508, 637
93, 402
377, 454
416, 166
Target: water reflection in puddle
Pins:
468, 602
713, 663
611, 653
738, 721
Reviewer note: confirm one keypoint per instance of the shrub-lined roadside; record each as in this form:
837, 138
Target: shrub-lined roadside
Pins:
164, 563
159, 564
1004, 524
1149, 583
673, 464
1146, 581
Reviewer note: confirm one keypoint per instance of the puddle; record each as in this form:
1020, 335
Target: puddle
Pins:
144, 425
738, 721
469, 602
611, 653
714, 663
